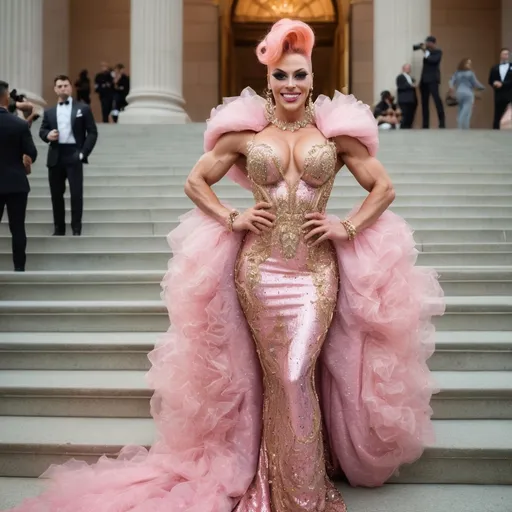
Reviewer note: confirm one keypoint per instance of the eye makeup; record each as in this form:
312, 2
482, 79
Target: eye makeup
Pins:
300, 74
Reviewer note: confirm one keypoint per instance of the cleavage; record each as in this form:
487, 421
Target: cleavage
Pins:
265, 164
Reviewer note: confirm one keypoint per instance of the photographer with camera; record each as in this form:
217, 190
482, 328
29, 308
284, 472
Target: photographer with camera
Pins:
18, 152
430, 80
19, 103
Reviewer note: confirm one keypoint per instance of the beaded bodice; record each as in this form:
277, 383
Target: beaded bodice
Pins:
291, 199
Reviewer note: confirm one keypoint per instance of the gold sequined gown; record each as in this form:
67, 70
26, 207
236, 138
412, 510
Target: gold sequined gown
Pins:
288, 292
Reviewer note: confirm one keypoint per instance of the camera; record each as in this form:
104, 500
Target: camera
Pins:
18, 98
27, 109
418, 46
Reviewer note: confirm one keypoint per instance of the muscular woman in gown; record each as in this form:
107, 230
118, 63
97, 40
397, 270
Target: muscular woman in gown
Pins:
286, 273
291, 331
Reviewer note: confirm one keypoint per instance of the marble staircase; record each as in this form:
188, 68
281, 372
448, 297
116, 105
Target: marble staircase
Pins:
76, 327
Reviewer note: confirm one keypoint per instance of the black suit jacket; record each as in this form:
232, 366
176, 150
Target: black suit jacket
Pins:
431, 72
406, 93
504, 93
83, 126
15, 141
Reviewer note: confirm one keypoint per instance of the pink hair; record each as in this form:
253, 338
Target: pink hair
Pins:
286, 36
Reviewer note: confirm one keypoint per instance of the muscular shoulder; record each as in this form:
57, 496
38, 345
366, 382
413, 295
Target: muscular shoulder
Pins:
233, 143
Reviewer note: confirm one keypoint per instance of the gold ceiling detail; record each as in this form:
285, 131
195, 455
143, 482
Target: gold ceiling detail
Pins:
270, 10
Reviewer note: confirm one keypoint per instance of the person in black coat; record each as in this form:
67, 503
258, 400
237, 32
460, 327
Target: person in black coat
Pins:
500, 79
121, 91
406, 96
430, 80
17, 152
71, 131
83, 87
104, 87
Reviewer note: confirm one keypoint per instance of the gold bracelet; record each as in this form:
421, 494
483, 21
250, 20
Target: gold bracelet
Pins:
351, 229
231, 219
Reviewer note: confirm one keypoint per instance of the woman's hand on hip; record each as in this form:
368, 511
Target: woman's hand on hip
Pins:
256, 219
319, 228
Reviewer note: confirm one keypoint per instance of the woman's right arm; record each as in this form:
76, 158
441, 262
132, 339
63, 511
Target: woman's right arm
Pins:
210, 169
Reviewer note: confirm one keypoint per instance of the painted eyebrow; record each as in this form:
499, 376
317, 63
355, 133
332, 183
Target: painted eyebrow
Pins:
277, 70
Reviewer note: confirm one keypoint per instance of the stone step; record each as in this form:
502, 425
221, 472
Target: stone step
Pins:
173, 178
158, 259
125, 167
346, 200
174, 210
463, 313
84, 244
120, 228
465, 451
393, 497
145, 285
455, 351
472, 351
156, 190
124, 394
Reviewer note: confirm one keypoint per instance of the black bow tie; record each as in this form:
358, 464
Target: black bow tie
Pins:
64, 102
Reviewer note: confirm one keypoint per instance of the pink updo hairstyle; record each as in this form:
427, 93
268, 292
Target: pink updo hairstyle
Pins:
286, 36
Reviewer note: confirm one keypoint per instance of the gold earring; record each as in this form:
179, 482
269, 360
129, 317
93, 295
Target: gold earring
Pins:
269, 104
310, 106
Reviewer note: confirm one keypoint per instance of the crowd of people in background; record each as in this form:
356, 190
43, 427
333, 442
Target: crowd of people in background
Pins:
112, 85
464, 89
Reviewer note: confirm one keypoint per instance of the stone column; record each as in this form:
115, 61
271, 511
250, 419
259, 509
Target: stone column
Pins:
156, 94
21, 44
398, 24
506, 23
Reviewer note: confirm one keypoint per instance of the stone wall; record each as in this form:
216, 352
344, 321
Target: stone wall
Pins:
95, 37
200, 58
361, 51
55, 47
77, 36
99, 31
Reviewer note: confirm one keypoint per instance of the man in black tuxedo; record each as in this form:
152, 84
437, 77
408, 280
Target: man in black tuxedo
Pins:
500, 79
407, 97
17, 152
430, 80
70, 130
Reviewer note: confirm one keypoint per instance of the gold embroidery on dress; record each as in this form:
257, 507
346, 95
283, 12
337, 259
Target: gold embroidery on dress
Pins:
289, 448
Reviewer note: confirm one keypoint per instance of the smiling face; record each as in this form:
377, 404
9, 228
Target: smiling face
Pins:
291, 80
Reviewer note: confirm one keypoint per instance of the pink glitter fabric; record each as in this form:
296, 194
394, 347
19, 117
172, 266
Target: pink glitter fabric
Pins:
281, 359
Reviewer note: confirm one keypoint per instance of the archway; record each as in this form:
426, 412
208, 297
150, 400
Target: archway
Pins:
243, 23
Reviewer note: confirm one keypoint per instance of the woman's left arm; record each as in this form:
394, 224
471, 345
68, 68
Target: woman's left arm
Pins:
372, 176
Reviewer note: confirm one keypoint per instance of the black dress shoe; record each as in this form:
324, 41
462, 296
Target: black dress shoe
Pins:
77, 233
19, 269
59, 233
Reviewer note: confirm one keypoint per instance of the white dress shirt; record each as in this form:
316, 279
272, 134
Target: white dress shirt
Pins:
408, 78
64, 123
504, 70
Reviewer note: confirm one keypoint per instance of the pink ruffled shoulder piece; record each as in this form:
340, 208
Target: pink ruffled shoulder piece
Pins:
236, 114
345, 115
376, 386
207, 401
